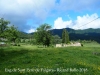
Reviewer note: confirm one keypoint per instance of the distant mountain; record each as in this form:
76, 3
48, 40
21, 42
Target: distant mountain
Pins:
86, 34
59, 31
24, 35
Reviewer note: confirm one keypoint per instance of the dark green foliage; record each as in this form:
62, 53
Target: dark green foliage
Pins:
43, 35
3, 27
56, 39
18, 44
14, 44
65, 36
24, 35
13, 34
2, 52
82, 45
9, 33
87, 34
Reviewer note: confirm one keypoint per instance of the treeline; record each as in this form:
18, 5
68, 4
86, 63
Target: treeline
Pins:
87, 34
74, 35
42, 36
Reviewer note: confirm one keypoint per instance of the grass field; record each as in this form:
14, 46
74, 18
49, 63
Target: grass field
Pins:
31, 60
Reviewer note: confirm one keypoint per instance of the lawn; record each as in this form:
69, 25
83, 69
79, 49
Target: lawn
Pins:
31, 60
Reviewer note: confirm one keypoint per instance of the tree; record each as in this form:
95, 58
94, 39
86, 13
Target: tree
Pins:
56, 39
8, 32
43, 35
3, 27
65, 36
13, 34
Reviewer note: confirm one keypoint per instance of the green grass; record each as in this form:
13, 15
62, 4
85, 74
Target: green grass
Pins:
92, 44
31, 60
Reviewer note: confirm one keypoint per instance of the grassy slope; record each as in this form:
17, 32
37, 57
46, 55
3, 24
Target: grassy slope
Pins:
80, 58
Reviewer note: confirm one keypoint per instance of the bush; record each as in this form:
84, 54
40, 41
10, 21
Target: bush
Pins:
82, 45
15, 44
18, 44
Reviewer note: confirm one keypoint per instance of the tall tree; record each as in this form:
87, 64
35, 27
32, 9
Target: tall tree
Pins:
43, 35
65, 36
3, 27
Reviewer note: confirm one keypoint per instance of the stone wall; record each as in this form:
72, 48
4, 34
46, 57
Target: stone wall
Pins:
66, 45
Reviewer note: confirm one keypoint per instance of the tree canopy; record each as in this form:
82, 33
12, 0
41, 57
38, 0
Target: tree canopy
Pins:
43, 35
8, 32
65, 36
56, 39
3, 27
13, 33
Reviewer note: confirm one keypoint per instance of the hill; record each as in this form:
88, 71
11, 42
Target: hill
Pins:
87, 34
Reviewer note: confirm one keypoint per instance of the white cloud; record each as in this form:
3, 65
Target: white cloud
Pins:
19, 11
27, 6
86, 21
31, 30
82, 22
59, 23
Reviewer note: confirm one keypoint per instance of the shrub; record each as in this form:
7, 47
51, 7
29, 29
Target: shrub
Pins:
82, 45
18, 44
15, 44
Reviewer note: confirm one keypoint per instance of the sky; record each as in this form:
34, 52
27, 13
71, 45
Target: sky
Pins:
28, 15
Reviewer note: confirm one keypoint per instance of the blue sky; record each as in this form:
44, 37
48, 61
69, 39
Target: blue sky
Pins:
27, 15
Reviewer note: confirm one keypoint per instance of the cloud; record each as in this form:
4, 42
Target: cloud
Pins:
59, 23
87, 21
31, 30
18, 12
82, 22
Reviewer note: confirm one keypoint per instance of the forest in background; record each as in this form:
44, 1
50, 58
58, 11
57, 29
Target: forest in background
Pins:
86, 34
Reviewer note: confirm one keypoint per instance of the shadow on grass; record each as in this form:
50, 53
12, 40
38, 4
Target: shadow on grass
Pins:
7, 54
